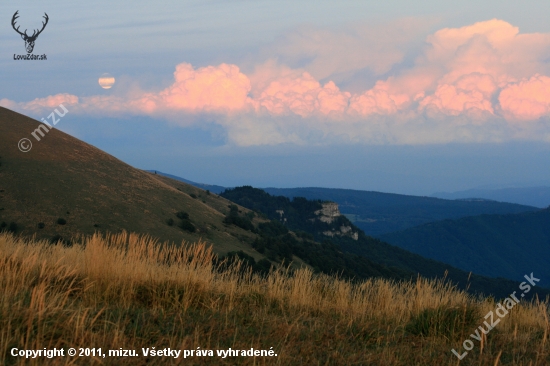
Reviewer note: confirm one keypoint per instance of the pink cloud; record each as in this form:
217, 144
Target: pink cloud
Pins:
211, 88
527, 100
50, 102
302, 95
484, 72
471, 92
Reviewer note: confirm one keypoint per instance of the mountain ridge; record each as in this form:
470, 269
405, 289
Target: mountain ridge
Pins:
538, 196
378, 213
512, 244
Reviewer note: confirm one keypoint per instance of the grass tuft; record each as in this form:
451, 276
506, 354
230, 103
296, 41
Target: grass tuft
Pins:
448, 322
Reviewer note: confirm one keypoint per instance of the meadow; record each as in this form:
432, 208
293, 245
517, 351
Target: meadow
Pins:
130, 292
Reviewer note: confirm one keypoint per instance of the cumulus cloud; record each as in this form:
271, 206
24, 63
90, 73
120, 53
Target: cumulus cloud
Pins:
528, 99
327, 52
481, 82
212, 88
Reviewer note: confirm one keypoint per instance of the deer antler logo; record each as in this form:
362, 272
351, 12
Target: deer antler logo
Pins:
29, 40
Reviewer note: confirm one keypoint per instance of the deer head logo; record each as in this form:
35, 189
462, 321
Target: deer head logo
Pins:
29, 40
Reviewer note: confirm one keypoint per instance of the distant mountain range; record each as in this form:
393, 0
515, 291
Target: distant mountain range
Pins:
378, 213
299, 215
493, 245
531, 196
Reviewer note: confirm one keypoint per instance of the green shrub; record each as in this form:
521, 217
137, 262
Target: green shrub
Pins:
233, 210
61, 221
170, 222
12, 228
57, 239
263, 266
193, 195
242, 222
182, 215
41, 225
188, 226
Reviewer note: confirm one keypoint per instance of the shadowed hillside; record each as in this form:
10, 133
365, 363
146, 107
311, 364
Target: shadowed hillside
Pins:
493, 245
64, 186
303, 216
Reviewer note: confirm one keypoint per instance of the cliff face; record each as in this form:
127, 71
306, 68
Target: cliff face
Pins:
328, 214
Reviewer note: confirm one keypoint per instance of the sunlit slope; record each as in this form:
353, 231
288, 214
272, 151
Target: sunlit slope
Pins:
62, 177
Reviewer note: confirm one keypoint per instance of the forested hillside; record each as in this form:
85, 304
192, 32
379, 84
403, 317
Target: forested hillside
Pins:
377, 213
299, 218
492, 245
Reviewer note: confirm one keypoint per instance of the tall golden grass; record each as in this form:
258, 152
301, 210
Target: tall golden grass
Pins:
131, 292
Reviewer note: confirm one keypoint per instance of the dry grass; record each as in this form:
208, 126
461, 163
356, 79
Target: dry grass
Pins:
130, 292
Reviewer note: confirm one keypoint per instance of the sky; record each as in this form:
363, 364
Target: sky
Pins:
394, 96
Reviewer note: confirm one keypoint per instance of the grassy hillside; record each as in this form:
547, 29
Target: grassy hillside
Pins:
299, 215
126, 292
493, 245
378, 213
64, 187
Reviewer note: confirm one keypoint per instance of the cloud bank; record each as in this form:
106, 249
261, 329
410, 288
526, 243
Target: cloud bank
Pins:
478, 83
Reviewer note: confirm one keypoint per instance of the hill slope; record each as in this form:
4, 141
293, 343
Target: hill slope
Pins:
378, 213
207, 187
493, 245
65, 178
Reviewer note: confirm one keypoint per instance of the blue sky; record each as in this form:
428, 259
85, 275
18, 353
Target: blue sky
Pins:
391, 96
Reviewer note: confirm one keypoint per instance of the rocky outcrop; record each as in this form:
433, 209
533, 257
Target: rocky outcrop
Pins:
328, 214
